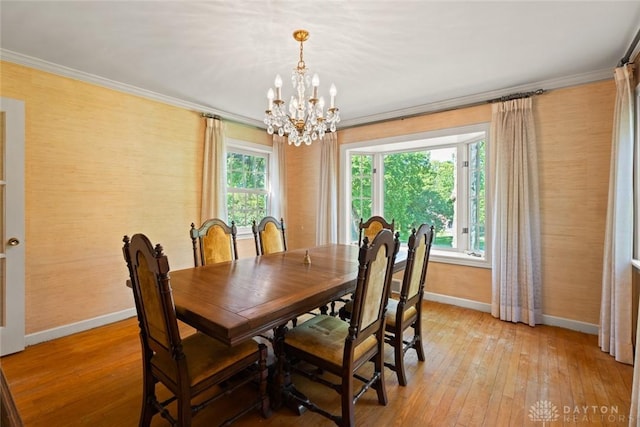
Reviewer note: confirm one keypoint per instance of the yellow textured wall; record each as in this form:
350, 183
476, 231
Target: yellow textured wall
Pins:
101, 164
573, 126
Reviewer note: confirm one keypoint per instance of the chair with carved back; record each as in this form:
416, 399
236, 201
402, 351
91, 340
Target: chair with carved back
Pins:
369, 229
342, 348
269, 236
190, 366
214, 241
405, 312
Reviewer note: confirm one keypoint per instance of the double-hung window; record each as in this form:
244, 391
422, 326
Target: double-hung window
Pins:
248, 183
438, 178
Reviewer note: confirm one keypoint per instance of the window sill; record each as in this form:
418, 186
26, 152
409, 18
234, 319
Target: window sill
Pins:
244, 235
457, 258
636, 263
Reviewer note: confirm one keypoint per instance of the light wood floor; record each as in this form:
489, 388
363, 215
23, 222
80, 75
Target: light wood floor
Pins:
479, 372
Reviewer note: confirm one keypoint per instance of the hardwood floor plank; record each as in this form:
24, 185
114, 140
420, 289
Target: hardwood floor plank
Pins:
479, 371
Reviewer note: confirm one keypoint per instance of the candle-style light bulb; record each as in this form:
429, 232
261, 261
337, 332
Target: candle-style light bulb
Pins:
320, 106
333, 92
278, 85
270, 98
315, 82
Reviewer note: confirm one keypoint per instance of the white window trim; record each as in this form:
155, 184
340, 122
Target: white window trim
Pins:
246, 147
636, 190
443, 256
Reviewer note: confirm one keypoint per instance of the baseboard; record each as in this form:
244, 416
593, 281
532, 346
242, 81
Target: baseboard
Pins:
73, 328
561, 322
575, 325
460, 302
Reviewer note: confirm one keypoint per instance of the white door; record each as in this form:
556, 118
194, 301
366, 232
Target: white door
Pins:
12, 244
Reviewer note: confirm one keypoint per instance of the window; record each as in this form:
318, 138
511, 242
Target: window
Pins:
248, 195
438, 178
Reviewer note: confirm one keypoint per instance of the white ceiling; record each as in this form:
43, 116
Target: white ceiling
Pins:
387, 57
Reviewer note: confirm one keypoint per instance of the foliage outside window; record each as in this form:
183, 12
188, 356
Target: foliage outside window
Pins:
247, 186
438, 181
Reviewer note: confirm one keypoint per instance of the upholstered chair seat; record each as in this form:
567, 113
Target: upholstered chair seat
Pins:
206, 357
392, 308
324, 336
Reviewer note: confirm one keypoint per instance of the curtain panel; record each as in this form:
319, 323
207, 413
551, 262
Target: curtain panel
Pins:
327, 221
516, 267
214, 172
279, 177
615, 332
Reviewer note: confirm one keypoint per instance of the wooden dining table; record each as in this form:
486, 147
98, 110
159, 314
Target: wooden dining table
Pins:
234, 301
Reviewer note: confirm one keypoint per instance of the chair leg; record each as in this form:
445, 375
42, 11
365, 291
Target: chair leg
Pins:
184, 412
417, 326
379, 385
346, 396
399, 358
148, 397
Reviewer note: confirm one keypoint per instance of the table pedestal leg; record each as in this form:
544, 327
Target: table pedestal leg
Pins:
283, 387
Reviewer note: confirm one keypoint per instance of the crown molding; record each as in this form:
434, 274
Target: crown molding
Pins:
480, 98
450, 104
50, 67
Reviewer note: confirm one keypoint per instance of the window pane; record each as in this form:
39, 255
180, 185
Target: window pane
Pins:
247, 182
361, 190
419, 187
477, 213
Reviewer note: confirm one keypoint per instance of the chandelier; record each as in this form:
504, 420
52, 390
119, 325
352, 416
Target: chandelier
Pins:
305, 119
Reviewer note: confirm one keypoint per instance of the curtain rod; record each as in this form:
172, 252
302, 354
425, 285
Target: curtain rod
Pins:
625, 59
517, 96
217, 117
456, 107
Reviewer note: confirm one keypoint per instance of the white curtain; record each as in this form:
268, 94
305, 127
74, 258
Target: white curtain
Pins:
616, 325
214, 172
516, 275
278, 179
327, 221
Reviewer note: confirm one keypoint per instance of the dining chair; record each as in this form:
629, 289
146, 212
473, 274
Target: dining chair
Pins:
369, 229
372, 226
341, 348
406, 311
214, 241
188, 366
269, 236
